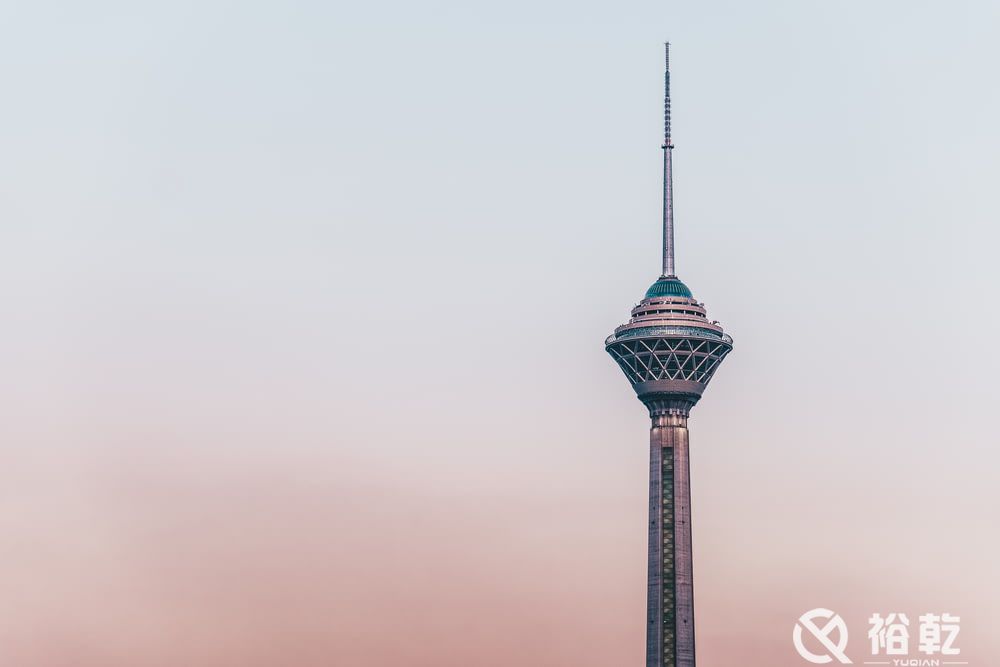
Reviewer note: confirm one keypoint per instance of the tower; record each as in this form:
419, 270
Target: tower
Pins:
669, 351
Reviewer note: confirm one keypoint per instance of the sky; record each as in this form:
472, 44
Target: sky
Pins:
304, 308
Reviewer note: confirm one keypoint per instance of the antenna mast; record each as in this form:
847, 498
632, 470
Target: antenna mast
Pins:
668, 179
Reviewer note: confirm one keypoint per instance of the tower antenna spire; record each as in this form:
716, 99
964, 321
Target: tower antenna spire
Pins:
668, 179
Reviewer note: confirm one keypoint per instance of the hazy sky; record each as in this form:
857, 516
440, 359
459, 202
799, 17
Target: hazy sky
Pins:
304, 306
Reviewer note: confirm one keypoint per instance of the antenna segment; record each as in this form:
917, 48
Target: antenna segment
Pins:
668, 180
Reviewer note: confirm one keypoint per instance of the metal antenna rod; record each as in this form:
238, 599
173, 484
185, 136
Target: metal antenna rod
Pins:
668, 179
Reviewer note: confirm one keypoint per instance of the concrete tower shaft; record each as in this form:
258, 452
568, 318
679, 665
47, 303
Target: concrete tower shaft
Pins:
670, 576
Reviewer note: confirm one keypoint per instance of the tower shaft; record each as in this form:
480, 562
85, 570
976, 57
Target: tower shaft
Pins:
670, 594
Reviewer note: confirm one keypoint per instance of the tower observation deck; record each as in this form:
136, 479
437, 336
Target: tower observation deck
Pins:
669, 350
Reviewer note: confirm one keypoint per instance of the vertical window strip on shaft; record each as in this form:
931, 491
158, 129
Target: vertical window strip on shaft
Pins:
667, 521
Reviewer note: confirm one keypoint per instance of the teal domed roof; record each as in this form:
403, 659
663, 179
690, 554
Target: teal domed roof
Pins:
667, 287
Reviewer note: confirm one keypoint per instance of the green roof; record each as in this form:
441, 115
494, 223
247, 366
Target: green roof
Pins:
667, 287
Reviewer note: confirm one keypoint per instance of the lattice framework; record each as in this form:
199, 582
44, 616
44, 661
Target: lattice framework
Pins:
646, 359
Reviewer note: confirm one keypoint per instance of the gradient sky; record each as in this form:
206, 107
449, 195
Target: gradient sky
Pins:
304, 307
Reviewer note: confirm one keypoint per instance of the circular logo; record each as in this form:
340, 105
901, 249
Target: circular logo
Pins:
831, 623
